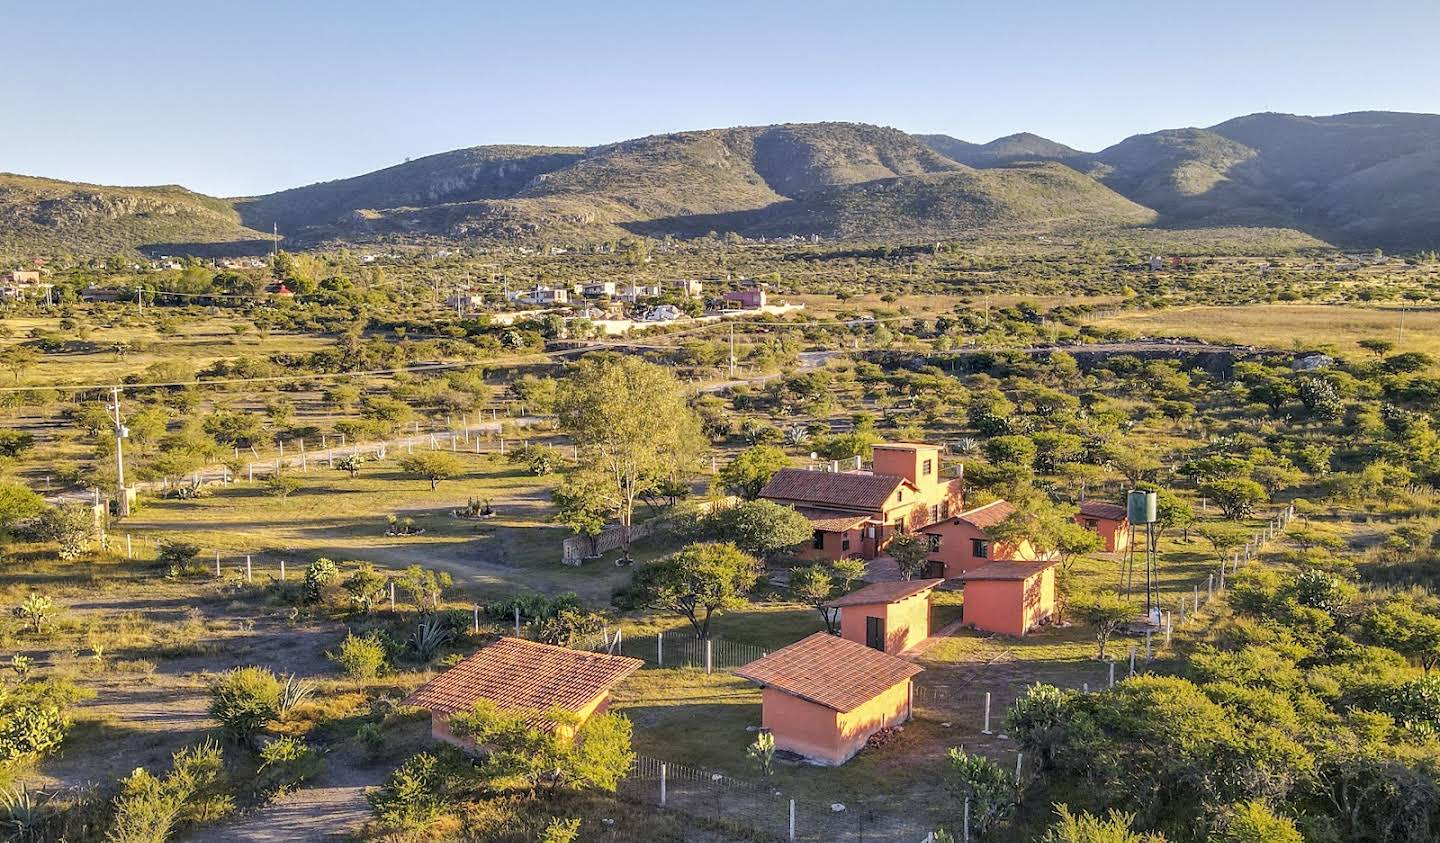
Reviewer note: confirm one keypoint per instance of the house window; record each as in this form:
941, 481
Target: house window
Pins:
1092, 524
934, 513
844, 542
927, 468
819, 540
934, 539
899, 495
980, 548
875, 633
900, 524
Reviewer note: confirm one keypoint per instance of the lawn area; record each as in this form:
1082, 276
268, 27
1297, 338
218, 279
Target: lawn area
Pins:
1291, 325
334, 516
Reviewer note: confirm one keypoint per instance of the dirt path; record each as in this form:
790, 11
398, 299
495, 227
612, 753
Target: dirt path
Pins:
333, 805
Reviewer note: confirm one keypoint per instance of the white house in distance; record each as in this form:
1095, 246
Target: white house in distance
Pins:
542, 295
598, 289
636, 292
689, 288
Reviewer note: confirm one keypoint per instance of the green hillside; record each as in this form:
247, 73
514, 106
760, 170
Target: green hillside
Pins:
44, 216
1023, 146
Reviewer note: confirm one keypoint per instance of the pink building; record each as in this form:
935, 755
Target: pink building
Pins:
890, 617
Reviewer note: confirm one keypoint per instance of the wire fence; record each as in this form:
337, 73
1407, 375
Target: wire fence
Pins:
676, 649
760, 811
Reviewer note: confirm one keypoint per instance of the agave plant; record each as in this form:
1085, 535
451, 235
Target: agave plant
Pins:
293, 691
430, 635
21, 811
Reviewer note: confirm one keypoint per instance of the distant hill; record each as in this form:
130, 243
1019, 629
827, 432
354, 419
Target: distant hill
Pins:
1001, 151
1364, 179
44, 216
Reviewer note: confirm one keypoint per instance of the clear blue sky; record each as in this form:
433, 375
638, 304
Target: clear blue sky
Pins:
238, 97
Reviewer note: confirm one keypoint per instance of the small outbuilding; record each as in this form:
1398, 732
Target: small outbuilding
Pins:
1010, 598
824, 696
524, 677
890, 617
1109, 520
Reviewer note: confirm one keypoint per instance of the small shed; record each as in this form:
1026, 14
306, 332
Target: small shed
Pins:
824, 696
1010, 598
1109, 520
524, 677
890, 617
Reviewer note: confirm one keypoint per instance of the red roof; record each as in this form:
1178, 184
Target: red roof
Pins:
984, 517
831, 671
831, 521
884, 592
844, 489
1101, 509
524, 676
1007, 570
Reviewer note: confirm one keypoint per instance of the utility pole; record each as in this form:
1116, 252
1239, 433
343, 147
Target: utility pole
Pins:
732, 350
121, 432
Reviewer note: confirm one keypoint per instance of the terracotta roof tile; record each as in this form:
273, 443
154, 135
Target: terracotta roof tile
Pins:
848, 490
1101, 509
988, 515
831, 521
524, 676
884, 592
1006, 570
831, 671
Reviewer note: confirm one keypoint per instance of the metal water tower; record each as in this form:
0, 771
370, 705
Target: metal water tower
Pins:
1142, 509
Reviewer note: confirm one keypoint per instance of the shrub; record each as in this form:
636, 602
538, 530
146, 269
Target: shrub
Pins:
148, 809
281, 485
72, 526
372, 739
32, 720
360, 657
321, 573
411, 798
285, 763
245, 700
177, 556
561, 831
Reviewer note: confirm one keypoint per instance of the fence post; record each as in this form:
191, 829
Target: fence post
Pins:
1210, 588
282, 570
477, 620
1112, 674
792, 819
217, 563
392, 595
709, 655
517, 621
1019, 759
663, 766
1132, 659
986, 729
129, 553
1147, 645
247, 569
660, 649
965, 824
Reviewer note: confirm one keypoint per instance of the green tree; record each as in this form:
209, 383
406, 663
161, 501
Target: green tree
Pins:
993, 792
814, 586
1237, 497
1254, 822
697, 582
366, 587
351, 463
911, 554
1114, 827
581, 505
433, 466
412, 796
748, 473
36, 609
1106, 612
633, 428
360, 656
1402, 627
425, 587
281, 486
761, 528
594, 755
72, 526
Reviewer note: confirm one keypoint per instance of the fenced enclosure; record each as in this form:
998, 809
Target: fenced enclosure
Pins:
758, 811
680, 648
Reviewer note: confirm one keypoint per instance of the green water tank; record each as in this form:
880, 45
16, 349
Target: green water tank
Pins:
1140, 506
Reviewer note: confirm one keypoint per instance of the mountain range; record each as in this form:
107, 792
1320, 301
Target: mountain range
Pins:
1362, 179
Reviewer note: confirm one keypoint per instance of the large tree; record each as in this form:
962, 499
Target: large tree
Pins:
633, 428
697, 581
748, 473
433, 466
761, 528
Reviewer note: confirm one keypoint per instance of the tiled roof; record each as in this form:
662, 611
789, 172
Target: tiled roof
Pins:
831, 521
884, 592
1101, 509
524, 676
988, 515
1005, 570
831, 671
848, 490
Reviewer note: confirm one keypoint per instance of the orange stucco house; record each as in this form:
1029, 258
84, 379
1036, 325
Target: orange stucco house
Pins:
890, 617
524, 677
1010, 598
960, 543
855, 513
1110, 520
825, 695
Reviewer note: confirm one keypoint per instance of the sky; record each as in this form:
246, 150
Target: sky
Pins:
241, 98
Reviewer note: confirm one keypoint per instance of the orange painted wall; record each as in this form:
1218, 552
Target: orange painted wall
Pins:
835, 546
825, 735
907, 622
956, 550
1115, 533
1010, 607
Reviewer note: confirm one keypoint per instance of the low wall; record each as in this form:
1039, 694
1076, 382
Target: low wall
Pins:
575, 549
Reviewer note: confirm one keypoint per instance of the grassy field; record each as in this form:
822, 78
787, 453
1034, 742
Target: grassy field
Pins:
1292, 326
